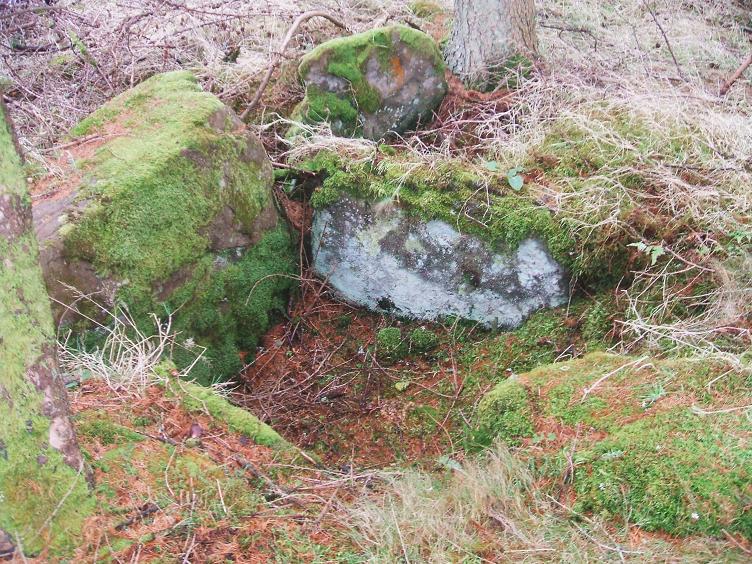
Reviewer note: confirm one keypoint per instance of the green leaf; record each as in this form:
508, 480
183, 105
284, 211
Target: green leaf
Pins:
450, 463
655, 252
516, 182
493, 166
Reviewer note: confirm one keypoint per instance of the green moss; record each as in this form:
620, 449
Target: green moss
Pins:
95, 121
157, 187
201, 399
642, 454
389, 343
106, 431
674, 472
505, 414
154, 192
43, 501
565, 383
423, 341
256, 285
346, 58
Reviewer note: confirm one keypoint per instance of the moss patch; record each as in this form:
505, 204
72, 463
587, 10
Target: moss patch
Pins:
42, 500
345, 58
504, 413
674, 472
202, 399
175, 159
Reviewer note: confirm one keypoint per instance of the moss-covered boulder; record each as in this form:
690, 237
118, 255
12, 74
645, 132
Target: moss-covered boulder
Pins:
416, 246
375, 83
166, 207
665, 444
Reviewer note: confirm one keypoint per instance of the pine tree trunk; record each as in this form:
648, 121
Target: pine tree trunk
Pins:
489, 38
43, 491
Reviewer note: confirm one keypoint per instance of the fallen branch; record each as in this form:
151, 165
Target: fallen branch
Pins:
739, 72
300, 20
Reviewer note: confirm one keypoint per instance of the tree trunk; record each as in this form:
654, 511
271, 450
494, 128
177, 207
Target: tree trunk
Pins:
44, 496
491, 38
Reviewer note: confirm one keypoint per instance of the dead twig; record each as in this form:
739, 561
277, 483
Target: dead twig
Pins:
739, 72
665, 37
300, 20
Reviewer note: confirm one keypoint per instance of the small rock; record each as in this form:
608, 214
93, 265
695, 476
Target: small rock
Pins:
372, 84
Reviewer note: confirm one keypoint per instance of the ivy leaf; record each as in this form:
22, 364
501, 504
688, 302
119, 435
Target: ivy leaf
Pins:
515, 179
493, 166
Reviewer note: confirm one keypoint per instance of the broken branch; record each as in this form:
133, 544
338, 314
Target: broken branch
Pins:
300, 20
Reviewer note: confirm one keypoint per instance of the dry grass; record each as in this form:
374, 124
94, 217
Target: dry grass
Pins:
64, 61
490, 509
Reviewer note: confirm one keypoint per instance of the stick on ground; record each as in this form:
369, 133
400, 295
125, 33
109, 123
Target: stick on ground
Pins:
739, 72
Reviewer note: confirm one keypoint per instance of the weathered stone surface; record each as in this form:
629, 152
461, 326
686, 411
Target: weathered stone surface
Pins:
375, 83
376, 256
165, 190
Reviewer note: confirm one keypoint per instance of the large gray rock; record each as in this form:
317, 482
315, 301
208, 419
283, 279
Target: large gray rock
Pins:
376, 256
375, 83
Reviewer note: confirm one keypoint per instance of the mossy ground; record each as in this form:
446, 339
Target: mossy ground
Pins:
641, 449
161, 483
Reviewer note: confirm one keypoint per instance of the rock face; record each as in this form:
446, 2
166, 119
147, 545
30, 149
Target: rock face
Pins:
377, 256
375, 83
166, 206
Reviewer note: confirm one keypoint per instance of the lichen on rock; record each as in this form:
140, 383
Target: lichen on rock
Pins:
374, 83
168, 190
378, 257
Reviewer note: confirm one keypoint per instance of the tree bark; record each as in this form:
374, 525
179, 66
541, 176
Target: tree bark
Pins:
491, 38
43, 491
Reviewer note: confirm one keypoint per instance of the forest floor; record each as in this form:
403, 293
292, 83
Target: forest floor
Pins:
387, 468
